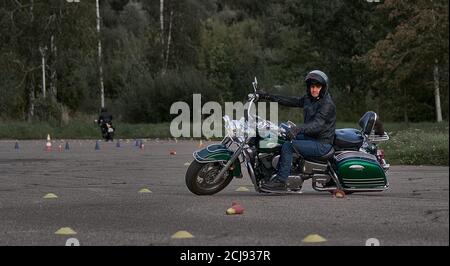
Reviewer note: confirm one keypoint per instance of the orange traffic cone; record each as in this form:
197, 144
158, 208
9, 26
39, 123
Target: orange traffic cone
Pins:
235, 209
339, 194
48, 144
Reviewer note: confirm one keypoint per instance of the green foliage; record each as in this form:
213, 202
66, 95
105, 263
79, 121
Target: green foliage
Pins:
379, 56
409, 144
46, 110
418, 144
80, 129
403, 61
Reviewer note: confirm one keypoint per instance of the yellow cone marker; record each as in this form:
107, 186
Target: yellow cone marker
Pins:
314, 238
145, 190
230, 211
182, 234
242, 189
50, 196
65, 231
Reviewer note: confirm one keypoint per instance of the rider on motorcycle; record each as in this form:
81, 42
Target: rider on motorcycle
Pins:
104, 118
312, 139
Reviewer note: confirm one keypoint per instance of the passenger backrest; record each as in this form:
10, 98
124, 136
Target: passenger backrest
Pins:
367, 122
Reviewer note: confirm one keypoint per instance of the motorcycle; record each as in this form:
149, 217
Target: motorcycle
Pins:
354, 164
107, 130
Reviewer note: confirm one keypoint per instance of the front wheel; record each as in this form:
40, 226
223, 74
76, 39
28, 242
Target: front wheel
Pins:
200, 178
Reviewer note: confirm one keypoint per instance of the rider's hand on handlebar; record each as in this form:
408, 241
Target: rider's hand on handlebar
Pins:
263, 95
252, 96
293, 132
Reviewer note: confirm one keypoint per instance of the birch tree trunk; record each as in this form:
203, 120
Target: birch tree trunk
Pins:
161, 21
437, 99
100, 68
29, 84
405, 106
169, 38
53, 76
42, 50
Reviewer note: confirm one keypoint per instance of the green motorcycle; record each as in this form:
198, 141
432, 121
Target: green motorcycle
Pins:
354, 164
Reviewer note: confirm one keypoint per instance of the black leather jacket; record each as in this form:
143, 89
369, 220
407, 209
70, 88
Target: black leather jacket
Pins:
319, 115
105, 117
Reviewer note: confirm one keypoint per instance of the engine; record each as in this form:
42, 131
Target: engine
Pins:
267, 165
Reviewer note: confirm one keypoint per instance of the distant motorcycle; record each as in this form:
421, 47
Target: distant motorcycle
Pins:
107, 130
354, 164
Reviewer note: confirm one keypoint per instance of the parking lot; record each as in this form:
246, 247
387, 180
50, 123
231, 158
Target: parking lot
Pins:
129, 195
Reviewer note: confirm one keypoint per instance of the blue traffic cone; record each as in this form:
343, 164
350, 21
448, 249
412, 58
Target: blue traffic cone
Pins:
118, 144
67, 146
97, 145
16, 146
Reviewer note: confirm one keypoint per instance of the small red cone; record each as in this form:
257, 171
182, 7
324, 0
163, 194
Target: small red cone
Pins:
172, 152
48, 146
235, 209
339, 194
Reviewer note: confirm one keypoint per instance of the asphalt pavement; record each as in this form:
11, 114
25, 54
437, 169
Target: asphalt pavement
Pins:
131, 195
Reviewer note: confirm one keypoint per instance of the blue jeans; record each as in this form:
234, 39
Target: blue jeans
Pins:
306, 146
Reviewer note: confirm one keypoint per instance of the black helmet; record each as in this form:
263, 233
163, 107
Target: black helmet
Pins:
316, 77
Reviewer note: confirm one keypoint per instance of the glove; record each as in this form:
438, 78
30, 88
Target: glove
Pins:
263, 95
293, 132
252, 96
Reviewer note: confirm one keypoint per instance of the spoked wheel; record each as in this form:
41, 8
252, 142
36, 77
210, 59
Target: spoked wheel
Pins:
201, 178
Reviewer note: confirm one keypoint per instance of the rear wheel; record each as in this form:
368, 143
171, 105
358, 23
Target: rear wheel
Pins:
200, 178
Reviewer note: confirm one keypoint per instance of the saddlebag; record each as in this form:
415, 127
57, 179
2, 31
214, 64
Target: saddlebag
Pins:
359, 170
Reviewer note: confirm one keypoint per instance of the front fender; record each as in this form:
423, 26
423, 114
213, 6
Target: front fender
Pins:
218, 153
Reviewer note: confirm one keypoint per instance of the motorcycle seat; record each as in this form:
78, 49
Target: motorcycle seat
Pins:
348, 138
322, 159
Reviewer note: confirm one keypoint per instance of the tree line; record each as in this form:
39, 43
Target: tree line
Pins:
389, 56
